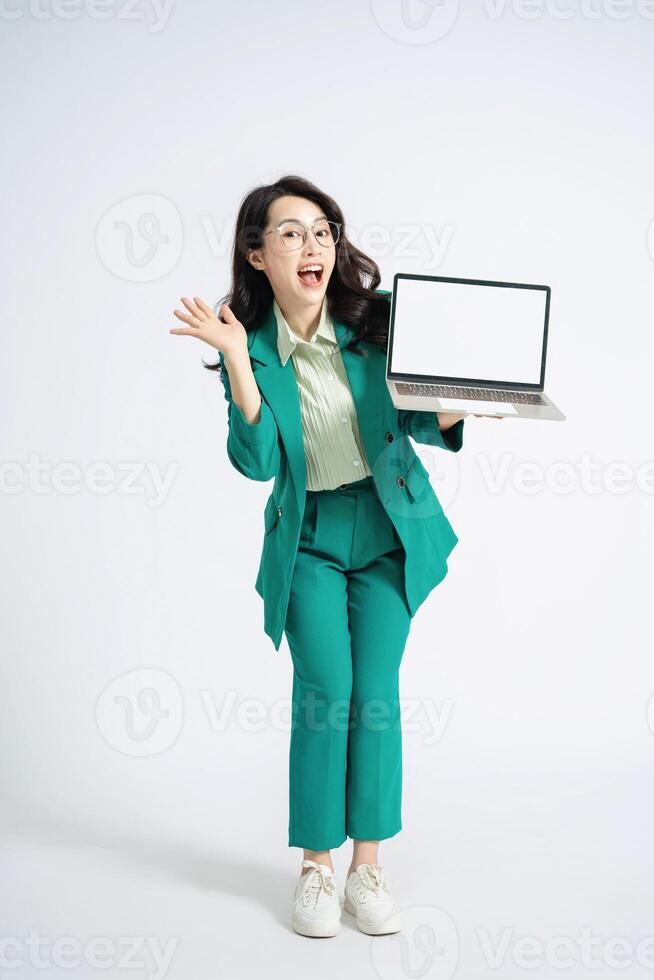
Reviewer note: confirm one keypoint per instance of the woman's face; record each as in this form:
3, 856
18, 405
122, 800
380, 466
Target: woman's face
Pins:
282, 263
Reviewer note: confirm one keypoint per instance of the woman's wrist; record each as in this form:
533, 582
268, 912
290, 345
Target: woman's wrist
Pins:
447, 419
238, 355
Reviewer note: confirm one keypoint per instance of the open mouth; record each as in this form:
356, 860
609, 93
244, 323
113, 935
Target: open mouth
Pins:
311, 275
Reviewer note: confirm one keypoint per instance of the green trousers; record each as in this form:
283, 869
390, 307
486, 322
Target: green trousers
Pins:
347, 624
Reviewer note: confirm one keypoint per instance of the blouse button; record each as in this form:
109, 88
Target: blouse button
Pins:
330, 377
356, 462
400, 481
344, 419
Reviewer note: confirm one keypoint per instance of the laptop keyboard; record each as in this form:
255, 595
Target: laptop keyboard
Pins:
485, 394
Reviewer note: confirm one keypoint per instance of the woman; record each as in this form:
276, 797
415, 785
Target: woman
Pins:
354, 536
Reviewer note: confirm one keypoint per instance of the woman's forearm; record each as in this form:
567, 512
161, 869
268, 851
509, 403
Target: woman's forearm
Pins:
245, 391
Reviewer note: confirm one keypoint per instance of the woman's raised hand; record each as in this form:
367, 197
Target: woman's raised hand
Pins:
229, 337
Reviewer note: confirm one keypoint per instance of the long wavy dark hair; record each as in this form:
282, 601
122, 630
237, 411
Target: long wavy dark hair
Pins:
351, 296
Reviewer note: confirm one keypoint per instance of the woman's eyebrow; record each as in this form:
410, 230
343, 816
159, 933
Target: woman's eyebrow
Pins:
298, 219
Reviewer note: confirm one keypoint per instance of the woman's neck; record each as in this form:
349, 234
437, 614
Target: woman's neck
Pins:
304, 321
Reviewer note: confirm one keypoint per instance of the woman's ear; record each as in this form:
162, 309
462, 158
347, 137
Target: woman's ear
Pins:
255, 259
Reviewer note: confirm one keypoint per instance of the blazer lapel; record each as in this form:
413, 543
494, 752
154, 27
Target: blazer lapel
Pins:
279, 387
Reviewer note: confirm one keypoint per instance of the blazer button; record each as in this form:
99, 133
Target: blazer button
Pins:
279, 511
400, 481
389, 437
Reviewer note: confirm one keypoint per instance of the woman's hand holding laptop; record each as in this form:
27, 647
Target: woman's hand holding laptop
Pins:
448, 419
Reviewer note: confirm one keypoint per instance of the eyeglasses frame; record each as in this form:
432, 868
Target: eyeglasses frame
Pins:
306, 230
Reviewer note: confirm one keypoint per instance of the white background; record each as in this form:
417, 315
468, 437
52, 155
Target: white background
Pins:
499, 142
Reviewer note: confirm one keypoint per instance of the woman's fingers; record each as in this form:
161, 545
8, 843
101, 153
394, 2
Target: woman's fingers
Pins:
227, 314
192, 308
205, 323
202, 306
191, 320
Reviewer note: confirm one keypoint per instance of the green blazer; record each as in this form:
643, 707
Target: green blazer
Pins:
273, 448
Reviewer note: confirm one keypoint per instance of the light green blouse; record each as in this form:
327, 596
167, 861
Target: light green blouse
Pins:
332, 443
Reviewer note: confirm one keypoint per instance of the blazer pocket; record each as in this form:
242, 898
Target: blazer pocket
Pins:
420, 489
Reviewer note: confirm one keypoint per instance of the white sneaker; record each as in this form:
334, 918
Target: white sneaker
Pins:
317, 910
367, 897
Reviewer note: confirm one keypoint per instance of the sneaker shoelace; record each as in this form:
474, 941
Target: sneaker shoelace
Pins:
318, 879
372, 878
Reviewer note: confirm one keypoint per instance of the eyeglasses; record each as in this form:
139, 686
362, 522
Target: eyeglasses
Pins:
293, 234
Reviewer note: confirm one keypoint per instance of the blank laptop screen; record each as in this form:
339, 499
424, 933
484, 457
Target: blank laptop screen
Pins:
454, 331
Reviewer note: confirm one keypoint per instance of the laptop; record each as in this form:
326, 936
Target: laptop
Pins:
470, 346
